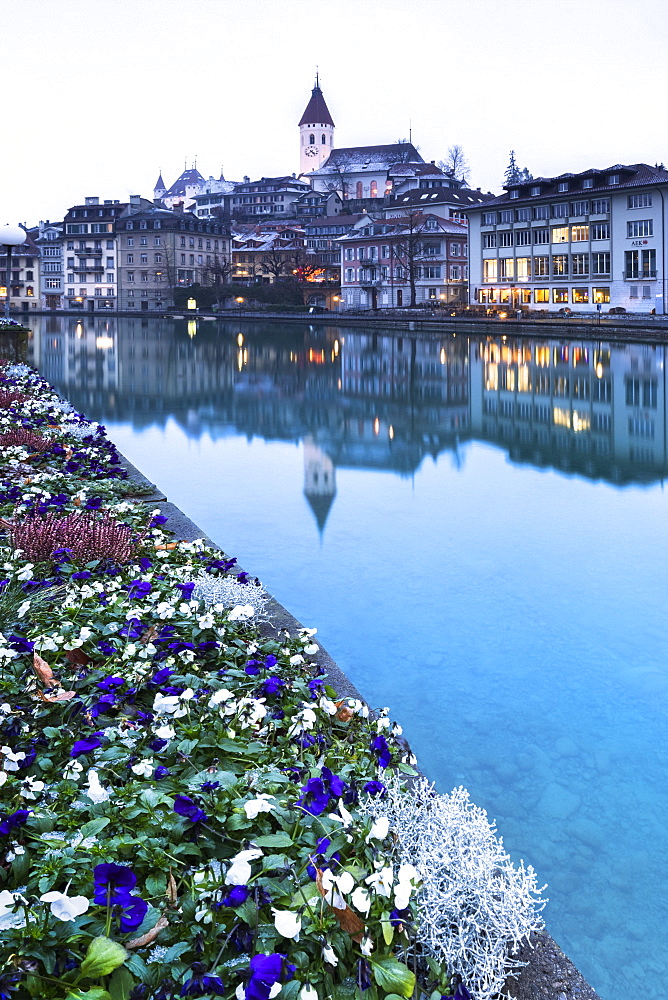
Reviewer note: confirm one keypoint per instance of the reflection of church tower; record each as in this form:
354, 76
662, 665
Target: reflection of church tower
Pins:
319, 481
316, 132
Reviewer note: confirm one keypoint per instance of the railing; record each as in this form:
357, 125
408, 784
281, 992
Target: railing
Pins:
81, 252
638, 274
82, 269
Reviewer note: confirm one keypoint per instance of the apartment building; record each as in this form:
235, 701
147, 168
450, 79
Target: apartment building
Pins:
573, 243
90, 258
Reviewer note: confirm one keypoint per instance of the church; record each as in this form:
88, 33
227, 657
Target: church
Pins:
356, 172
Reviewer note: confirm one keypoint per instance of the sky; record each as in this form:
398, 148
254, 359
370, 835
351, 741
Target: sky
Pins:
107, 95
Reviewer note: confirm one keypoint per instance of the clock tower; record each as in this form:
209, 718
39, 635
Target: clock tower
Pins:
316, 132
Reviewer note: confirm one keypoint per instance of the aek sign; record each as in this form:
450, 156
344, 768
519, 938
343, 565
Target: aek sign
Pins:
638, 243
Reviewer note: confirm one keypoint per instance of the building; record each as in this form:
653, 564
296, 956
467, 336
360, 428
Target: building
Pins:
183, 190
24, 277
268, 197
90, 258
575, 243
414, 260
316, 132
209, 202
264, 255
444, 202
49, 238
159, 251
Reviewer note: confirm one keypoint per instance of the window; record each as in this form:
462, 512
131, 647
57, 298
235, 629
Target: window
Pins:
157, 258
490, 269
600, 231
455, 272
489, 218
541, 236
560, 211
144, 275
600, 263
373, 187
514, 193
640, 264
130, 276
130, 259
523, 267
642, 227
110, 244
647, 291
506, 238
641, 392
541, 212
523, 215
110, 261
129, 225
580, 263
183, 242
456, 247
349, 253
641, 428
579, 208
588, 182
183, 258
98, 291
562, 186
579, 234
580, 295
488, 241
350, 274
541, 295
600, 295
110, 277
359, 189
600, 206
639, 200
560, 265
541, 267
613, 179
430, 271
52, 282
560, 235
507, 267
506, 215
535, 190
143, 258
601, 390
523, 237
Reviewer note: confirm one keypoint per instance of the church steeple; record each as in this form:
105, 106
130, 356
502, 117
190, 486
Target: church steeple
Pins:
316, 132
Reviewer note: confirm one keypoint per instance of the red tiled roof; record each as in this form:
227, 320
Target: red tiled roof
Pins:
317, 111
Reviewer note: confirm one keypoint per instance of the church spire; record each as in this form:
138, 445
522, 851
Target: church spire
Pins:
317, 112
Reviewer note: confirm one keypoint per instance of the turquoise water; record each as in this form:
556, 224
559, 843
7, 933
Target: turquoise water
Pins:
478, 529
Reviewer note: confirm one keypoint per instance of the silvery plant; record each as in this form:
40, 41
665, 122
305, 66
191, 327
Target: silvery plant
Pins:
474, 907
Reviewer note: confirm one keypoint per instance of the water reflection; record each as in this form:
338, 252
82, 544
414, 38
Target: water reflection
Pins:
371, 400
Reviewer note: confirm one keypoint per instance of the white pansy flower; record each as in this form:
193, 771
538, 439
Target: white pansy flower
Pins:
287, 923
381, 881
255, 806
382, 723
306, 633
95, 792
296, 659
241, 612
30, 788
3, 778
361, 900
345, 882
219, 696
329, 955
379, 830
331, 895
144, 768
165, 732
73, 770
311, 649
23, 608
165, 704
206, 621
240, 870
12, 760
65, 907
9, 919
308, 992
328, 706
343, 816
366, 946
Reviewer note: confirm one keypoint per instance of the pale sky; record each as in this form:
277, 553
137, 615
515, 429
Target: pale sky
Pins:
106, 94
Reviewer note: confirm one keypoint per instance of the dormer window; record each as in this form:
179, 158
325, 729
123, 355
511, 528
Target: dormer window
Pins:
515, 193
535, 190
562, 186
588, 182
613, 179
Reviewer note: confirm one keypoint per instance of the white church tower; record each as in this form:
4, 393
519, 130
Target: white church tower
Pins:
316, 132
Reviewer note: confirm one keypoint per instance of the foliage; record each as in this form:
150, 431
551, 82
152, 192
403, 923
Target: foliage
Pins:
184, 801
456, 164
514, 174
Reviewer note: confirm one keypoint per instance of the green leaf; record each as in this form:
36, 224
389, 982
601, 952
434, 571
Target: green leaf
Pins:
387, 928
274, 840
121, 984
102, 957
175, 952
96, 993
393, 976
407, 770
94, 827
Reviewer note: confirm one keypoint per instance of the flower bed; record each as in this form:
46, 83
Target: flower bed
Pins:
188, 809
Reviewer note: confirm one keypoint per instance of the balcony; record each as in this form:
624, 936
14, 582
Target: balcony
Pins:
638, 274
84, 268
88, 252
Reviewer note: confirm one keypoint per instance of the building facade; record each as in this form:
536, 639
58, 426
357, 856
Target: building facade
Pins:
22, 279
49, 238
574, 243
90, 258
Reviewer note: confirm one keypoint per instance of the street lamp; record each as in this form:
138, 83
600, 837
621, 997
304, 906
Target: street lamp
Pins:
10, 236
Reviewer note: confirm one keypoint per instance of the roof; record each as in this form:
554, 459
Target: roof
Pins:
462, 197
189, 178
316, 111
353, 158
160, 184
630, 176
346, 221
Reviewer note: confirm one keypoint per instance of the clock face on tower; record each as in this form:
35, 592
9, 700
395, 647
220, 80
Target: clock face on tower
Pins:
311, 151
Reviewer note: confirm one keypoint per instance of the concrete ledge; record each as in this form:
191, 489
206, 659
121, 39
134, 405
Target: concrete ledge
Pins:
549, 974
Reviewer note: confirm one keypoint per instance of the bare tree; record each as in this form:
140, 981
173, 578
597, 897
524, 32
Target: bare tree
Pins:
217, 272
455, 164
407, 247
276, 261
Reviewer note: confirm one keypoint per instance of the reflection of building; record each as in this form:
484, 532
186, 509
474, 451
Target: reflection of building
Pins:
319, 480
574, 242
591, 407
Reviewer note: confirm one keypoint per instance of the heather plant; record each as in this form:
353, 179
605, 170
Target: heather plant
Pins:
87, 537
9, 398
22, 437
